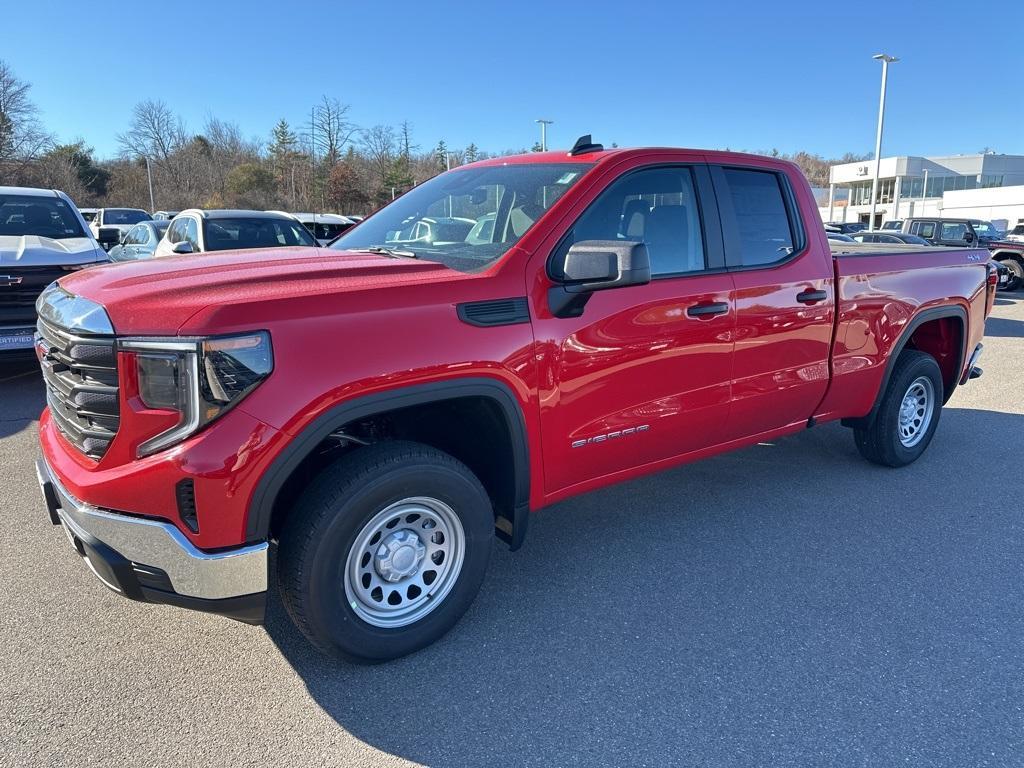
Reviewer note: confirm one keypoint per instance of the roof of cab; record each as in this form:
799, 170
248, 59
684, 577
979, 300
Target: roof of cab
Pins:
606, 155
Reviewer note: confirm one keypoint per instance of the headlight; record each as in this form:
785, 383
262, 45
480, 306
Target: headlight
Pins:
200, 379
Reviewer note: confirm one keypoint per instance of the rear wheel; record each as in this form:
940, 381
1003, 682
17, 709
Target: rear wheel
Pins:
908, 414
385, 551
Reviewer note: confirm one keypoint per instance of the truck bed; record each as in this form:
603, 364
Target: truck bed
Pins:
879, 288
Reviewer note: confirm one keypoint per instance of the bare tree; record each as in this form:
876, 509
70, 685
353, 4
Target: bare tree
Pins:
22, 138
331, 130
379, 146
155, 132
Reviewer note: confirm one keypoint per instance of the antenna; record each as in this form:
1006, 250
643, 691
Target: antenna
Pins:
583, 145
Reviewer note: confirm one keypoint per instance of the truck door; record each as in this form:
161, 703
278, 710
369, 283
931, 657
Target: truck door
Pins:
784, 300
954, 233
643, 374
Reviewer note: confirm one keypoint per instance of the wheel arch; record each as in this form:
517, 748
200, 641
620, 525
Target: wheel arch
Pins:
510, 522
1008, 255
921, 322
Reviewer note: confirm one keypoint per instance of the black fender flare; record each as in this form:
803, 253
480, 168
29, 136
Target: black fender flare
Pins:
922, 317
512, 531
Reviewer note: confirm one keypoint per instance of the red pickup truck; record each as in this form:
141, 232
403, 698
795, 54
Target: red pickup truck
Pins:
506, 335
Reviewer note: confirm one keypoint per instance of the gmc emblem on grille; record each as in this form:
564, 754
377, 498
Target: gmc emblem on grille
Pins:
8, 280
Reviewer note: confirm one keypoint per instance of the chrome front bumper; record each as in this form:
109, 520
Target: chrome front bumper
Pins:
153, 561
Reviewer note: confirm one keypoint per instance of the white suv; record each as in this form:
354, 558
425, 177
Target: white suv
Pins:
197, 231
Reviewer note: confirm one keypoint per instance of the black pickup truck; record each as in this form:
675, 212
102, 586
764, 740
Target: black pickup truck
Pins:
962, 233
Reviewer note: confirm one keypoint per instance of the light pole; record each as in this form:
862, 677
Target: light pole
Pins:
924, 191
886, 60
543, 133
149, 174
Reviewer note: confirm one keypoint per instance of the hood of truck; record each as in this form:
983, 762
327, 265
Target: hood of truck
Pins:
35, 251
158, 296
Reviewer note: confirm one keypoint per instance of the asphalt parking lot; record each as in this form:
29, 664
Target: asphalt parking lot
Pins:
787, 605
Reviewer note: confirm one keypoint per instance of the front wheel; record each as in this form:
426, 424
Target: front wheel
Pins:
908, 414
385, 551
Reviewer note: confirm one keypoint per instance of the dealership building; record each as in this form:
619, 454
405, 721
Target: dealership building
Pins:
983, 186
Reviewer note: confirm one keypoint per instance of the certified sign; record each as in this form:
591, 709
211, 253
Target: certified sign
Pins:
16, 338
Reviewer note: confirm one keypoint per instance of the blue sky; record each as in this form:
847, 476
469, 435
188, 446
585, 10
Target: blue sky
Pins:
745, 75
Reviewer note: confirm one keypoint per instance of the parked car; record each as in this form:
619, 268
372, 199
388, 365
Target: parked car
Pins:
432, 230
892, 238
958, 233
88, 214
140, 242
165, 215
838, 237
43, 236
893, 225
121, 219
324, 227
846, 227
381, 413
196, 231
1007, 281
1015, 234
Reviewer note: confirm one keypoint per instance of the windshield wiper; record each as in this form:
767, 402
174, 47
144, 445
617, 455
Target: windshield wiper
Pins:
386, 251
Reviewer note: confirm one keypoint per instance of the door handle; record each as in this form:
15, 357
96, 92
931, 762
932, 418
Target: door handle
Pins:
811, 297
707, 310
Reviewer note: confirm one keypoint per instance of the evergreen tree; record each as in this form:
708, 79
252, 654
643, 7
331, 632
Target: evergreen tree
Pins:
282, 141
441, 153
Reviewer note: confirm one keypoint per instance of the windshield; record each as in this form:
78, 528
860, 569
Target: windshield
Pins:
113, 216
252, 232
38, 215
466, 219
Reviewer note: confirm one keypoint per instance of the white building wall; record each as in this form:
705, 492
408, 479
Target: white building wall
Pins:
1003, 206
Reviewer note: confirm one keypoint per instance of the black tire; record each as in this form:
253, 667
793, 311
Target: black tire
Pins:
880, 443
330, 516
1016, 268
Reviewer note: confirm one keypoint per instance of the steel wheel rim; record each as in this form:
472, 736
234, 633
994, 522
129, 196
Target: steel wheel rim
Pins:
404, 562
916, 409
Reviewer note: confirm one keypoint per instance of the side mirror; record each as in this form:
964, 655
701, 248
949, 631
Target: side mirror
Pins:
597, 265
183, 248
969, 237
108, 236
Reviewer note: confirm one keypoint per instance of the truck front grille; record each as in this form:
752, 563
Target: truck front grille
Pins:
19, 289
81, 386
